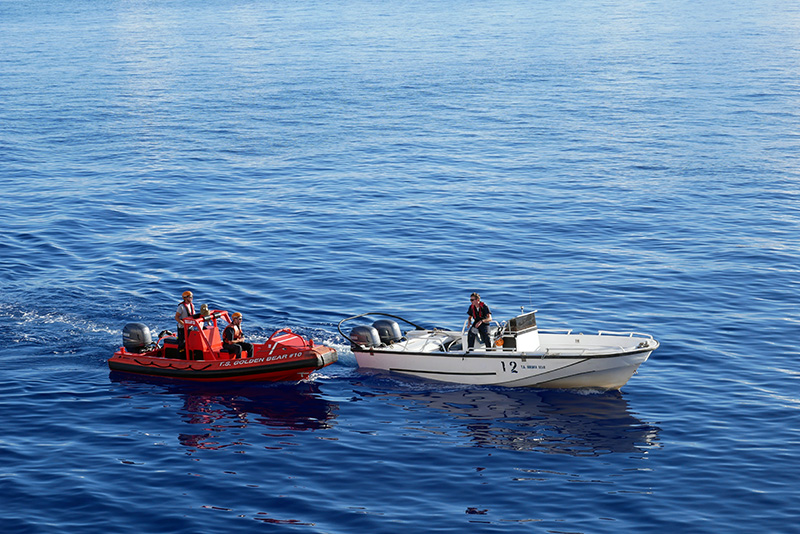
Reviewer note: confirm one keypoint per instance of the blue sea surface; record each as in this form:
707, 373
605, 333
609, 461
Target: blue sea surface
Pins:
616, 165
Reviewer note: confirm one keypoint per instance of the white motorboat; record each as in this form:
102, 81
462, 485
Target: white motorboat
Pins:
521, 354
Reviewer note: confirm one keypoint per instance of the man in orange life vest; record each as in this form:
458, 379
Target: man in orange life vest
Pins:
233, 338
481, 317
185, 310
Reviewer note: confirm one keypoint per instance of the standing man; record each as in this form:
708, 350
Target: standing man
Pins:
481, 317
233, 338
185, 310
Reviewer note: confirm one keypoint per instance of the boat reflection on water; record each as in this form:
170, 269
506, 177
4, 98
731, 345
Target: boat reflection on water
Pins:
220, 412
522, 419
550, 421
286, 407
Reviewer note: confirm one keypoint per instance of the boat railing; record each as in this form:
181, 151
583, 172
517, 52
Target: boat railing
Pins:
626, 334
205, 328
435, 340
435, 337
569, 332
494, 323
287, 332
564, 331
571, 351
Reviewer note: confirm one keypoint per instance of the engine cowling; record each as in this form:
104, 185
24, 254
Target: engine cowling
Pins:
388, 330
136, 337
365, 336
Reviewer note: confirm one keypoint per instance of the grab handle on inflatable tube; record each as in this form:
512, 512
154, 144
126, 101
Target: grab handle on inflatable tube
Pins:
288, 331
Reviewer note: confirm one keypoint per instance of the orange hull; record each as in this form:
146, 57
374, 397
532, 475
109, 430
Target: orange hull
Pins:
284, 356
277, 367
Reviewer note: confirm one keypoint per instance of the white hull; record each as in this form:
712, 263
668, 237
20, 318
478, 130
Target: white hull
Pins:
538, 359
601, 372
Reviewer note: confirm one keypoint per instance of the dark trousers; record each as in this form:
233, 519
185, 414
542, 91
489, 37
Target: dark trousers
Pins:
483, 330
181, 344
235, 349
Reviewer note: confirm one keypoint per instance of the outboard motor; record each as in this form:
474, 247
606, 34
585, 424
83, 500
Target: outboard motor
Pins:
136, 337
365, 336
388, 330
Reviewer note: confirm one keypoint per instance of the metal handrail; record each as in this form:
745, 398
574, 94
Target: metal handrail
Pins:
566, 331
629, 334
500, 325
198, 323
288, 331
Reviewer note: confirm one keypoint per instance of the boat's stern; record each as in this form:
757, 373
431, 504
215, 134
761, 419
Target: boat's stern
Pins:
325, 356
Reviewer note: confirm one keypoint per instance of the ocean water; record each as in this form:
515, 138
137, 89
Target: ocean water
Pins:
616, 165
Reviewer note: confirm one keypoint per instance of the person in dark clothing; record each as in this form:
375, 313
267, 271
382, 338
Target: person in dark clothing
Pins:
481, 317
233, 338
185, 310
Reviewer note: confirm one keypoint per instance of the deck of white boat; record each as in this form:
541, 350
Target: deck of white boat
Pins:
532, 344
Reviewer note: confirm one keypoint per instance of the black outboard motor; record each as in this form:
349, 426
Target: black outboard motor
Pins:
136, 337
365, 337
388, 330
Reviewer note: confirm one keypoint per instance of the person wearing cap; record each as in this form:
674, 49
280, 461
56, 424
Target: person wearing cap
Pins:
185, 310
233, 338
481, 317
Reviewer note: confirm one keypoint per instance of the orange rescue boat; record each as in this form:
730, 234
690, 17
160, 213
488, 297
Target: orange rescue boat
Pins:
284, 356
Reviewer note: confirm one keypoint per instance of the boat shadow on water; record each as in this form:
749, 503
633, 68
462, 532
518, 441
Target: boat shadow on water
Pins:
550, 421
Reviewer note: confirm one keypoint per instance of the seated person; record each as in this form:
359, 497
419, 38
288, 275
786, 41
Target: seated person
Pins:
233, 338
